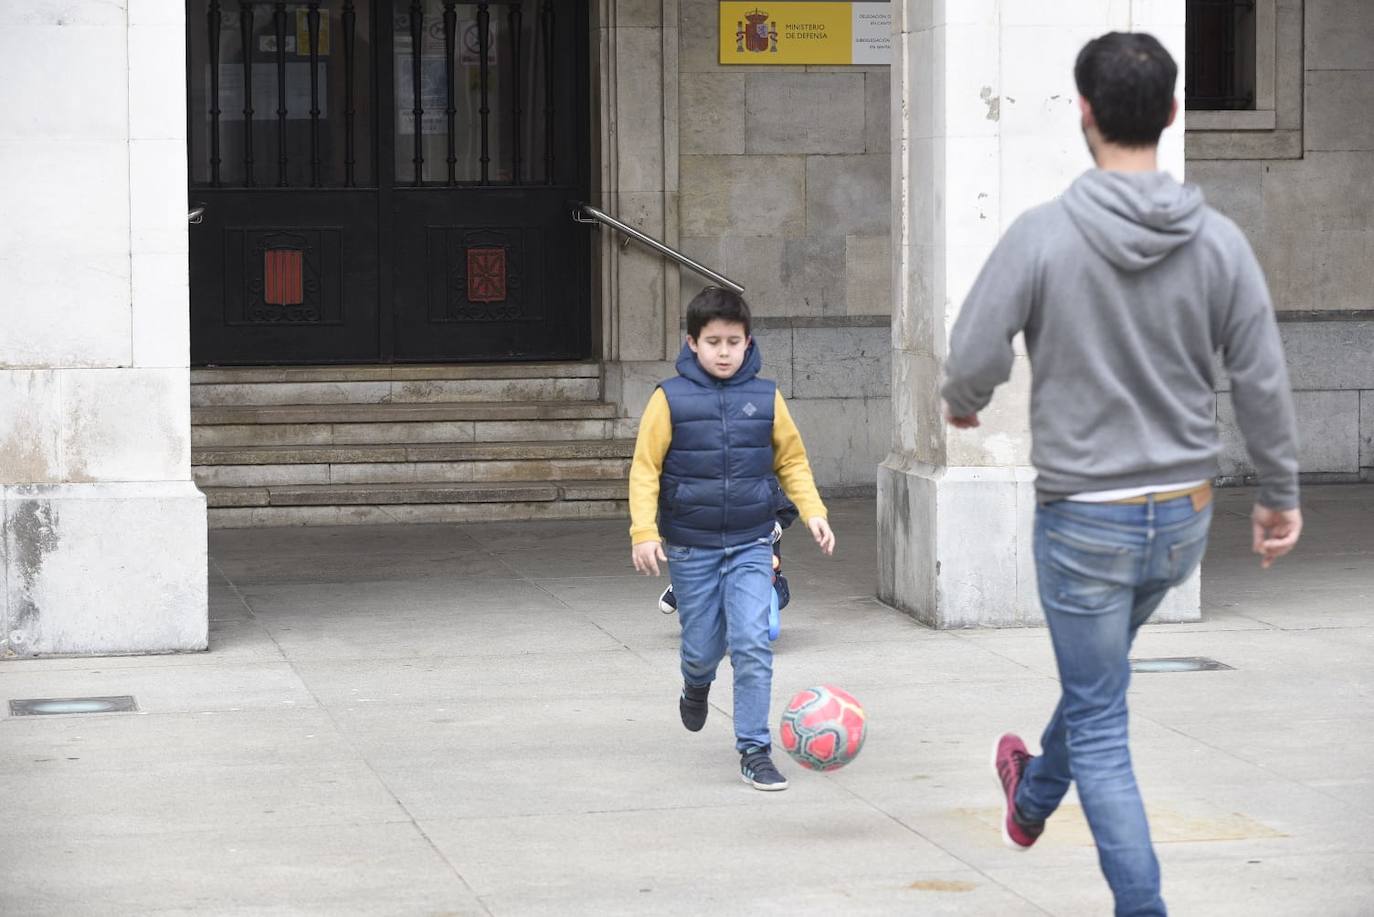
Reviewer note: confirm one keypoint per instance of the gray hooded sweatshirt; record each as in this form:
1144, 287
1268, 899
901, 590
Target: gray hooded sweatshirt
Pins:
1125, 288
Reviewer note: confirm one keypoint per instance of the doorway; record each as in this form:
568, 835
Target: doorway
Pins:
387, 181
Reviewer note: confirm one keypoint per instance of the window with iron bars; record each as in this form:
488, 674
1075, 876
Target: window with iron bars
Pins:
1220, 65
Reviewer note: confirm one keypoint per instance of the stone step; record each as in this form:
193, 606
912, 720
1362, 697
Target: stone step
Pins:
347, 504
391, 494
478, 472
420, 392
384, 444
400, 413
396, 385
411, 452
425, 463
226, 435
413, 514
395, 372
346, 424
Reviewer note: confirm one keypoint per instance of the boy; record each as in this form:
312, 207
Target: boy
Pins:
714, 445
1125, 287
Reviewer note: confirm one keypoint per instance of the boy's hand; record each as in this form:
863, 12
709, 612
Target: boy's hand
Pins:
820, 530
967, 422
646, 556
1274, 532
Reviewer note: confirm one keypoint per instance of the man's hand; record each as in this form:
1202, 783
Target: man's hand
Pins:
820, 530
646, 556
1275, 532
966, 422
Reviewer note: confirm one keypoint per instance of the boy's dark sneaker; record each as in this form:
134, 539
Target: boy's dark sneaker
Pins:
693, 707
783, 590
1009, 759
757, 769
667, 602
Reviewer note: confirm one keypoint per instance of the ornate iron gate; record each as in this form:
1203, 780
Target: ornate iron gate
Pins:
387, 181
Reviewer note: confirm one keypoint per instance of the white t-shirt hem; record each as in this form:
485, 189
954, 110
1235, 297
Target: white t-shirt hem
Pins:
1108, 496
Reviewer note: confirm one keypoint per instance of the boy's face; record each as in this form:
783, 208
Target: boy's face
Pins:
720, 347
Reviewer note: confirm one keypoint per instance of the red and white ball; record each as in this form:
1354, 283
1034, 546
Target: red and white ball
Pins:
823, 728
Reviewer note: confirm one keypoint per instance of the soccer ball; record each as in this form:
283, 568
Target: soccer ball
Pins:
823, 728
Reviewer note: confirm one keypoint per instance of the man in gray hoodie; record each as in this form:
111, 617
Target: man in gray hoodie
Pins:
1125, 288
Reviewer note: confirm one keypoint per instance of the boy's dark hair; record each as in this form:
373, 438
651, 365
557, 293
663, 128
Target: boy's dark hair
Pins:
712, 303
1128, 79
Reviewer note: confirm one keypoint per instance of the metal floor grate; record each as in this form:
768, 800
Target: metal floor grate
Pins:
1179, 664
53, 706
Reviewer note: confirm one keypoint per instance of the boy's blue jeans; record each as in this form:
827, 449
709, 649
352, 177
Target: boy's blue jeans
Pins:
1103, 569
722, 601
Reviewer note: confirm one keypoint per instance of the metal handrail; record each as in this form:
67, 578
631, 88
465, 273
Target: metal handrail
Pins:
586, 213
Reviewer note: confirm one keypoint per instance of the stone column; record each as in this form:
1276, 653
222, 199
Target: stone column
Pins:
104, 532
984, 125
636, 181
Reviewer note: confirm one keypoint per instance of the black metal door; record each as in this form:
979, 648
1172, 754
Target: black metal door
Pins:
487, 261
350, 218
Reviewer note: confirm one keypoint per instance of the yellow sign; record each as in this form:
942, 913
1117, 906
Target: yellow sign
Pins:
303, 34
815, 32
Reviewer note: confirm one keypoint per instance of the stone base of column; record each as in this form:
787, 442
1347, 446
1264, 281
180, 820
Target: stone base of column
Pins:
955, 547
103, 569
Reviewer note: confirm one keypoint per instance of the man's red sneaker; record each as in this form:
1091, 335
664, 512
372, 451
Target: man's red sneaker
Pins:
1009, 758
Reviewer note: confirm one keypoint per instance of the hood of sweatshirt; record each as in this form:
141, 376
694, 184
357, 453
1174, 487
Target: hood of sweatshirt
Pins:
1134, 219
688, 366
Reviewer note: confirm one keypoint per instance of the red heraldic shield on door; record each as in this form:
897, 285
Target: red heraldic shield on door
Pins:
282, 277
486, 274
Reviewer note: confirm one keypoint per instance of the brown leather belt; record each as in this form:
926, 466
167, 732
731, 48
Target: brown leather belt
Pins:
1201, 495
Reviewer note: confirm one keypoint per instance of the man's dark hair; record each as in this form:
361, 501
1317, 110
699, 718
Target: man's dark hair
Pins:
1128, 79
712, 303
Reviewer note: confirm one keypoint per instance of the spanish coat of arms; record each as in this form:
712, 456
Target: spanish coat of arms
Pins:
759, 35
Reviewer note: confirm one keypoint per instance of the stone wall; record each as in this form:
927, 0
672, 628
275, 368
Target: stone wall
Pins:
785, 189
1304, 194
778, 177
1331, 366
104, 533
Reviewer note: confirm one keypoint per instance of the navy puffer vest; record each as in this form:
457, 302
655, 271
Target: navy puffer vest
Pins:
718, 489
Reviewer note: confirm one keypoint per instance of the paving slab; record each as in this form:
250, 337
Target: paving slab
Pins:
307, 560
214, 688
481, 719
487, 682
292, 737
929, 893
729, 844
459, 634
386, 869
75, 796
1277, 886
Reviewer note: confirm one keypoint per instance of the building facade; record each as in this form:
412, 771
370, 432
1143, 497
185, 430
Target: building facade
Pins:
385, 311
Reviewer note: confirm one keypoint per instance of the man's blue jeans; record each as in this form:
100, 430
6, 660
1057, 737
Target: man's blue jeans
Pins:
722, 601
1103, 569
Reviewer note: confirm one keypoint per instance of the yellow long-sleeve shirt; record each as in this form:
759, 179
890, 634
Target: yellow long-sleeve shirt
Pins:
656, 435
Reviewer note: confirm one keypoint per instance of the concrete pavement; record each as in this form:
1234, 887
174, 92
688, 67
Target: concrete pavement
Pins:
481, 719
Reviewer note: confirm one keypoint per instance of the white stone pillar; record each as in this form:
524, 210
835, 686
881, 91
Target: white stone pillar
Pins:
984, 125
104, 533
